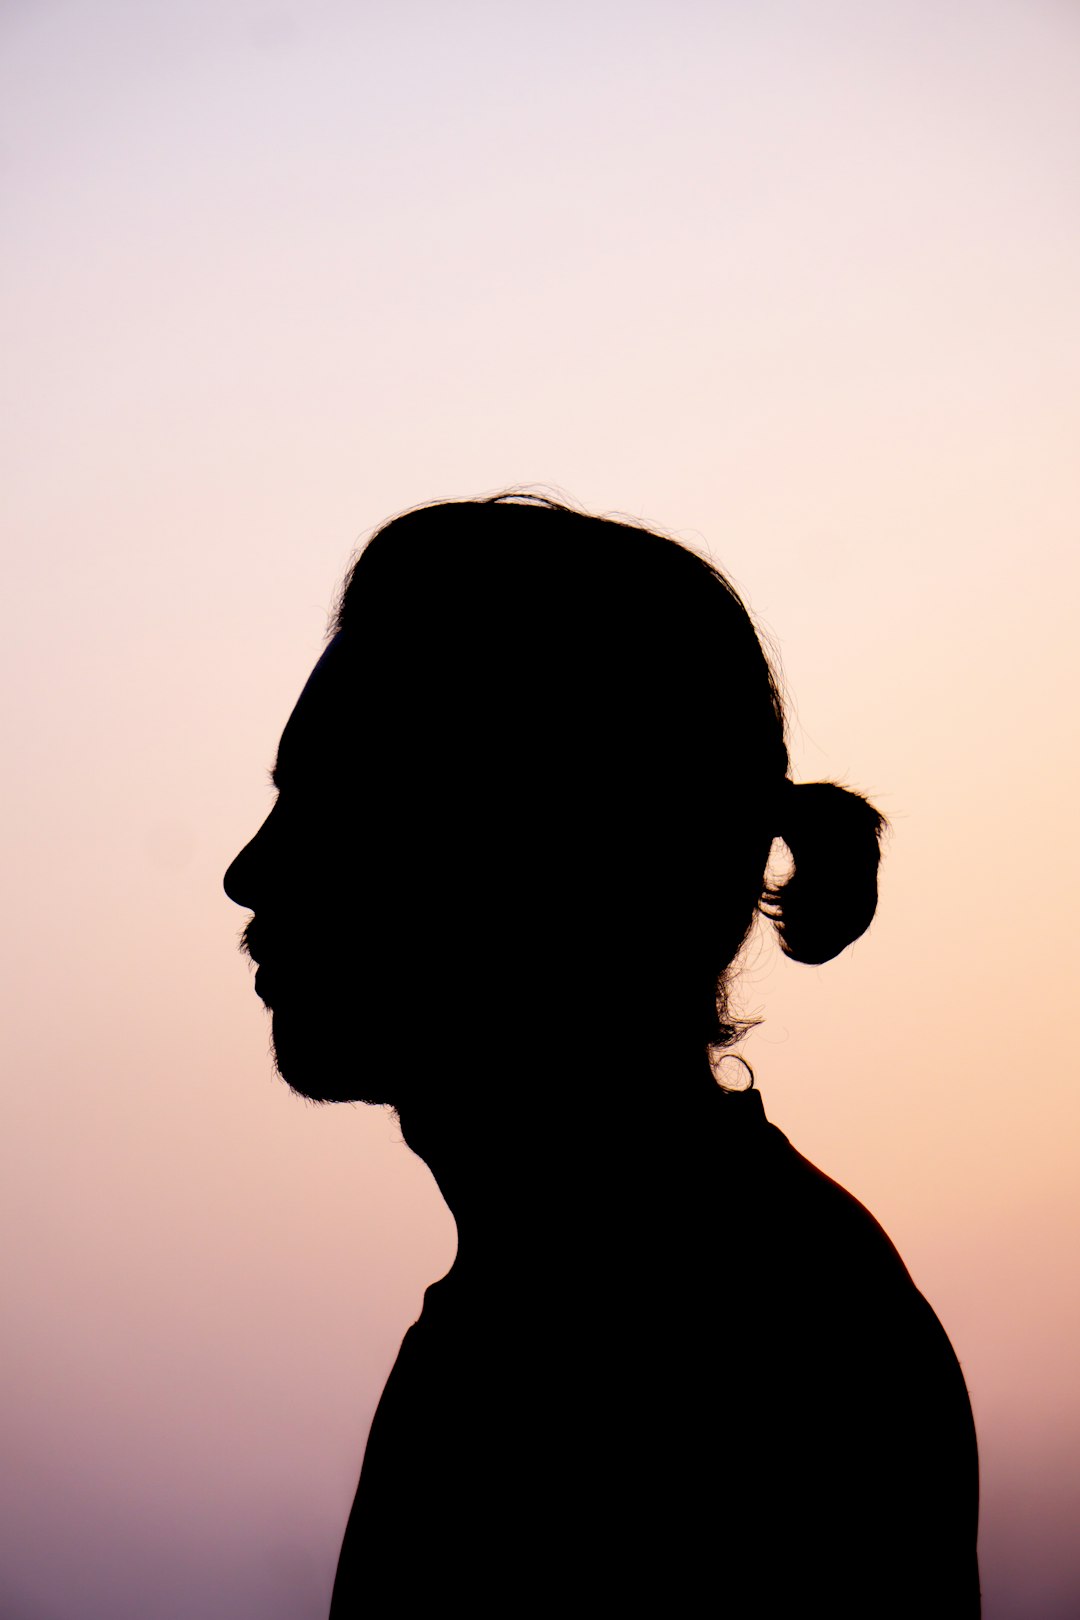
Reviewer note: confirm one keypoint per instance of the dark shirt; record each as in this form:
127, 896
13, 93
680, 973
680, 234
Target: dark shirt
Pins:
737, 1402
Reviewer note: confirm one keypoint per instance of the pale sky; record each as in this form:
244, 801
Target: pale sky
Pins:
795, 281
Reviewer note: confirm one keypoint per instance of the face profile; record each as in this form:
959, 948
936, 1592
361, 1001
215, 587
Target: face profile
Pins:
525, 806
323, 896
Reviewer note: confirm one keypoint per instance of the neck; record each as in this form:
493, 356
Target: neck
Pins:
538, 1172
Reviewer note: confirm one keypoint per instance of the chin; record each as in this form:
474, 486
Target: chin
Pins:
315, 1064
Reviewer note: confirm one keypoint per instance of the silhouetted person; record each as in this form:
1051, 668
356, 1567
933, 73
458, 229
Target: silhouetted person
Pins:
525, 805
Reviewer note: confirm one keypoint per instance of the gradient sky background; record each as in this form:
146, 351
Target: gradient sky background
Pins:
797, 281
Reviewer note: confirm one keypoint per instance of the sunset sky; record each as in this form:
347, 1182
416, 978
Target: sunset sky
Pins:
794, 280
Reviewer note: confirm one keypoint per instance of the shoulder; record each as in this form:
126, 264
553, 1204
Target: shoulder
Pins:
834, 1305
829, 1220
812, 1220
871, 1385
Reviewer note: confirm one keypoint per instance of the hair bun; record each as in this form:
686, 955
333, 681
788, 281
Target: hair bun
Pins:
830, 898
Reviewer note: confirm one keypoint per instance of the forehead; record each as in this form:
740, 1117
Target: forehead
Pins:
315, 734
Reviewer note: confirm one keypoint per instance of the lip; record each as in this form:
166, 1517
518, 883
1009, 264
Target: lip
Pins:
263, 985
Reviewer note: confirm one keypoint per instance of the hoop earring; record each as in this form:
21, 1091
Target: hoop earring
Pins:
733, 1057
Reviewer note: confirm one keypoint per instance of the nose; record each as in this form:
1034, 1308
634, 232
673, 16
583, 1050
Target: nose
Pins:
237, 886
242, 878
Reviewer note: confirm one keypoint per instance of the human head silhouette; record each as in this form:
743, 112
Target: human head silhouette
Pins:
525, 805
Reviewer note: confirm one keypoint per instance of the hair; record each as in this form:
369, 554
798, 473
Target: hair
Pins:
588, 701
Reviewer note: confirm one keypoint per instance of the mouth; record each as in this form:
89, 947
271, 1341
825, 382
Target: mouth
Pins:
252, 947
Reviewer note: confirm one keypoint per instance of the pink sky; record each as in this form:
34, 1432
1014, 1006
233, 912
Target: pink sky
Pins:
795, 281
